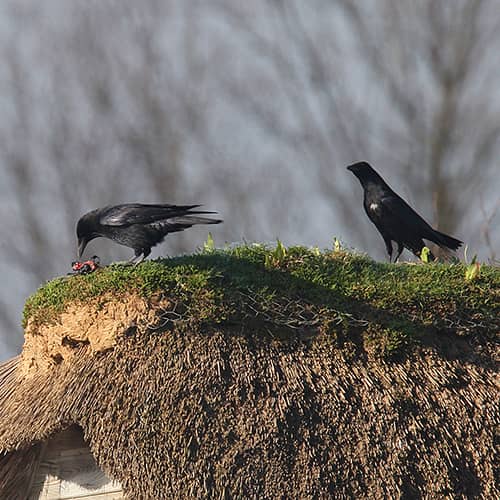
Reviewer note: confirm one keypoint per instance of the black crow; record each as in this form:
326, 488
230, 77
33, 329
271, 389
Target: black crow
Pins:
394, 218
138, 226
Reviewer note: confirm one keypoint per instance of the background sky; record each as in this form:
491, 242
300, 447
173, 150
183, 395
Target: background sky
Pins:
253, 109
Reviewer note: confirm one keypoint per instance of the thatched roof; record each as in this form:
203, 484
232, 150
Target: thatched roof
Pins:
236, 375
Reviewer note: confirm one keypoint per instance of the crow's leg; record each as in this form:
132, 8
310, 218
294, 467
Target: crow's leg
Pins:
133, 259
139, 260
145, 252
400, 250
137, 255
388, 246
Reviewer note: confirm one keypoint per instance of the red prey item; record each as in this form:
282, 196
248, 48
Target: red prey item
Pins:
85, 267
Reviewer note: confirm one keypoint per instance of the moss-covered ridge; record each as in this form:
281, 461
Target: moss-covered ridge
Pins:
339, 294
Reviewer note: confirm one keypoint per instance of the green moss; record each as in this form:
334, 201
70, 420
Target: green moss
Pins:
395, 305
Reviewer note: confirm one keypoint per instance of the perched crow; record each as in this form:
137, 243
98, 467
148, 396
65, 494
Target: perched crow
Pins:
138, 226
394, 218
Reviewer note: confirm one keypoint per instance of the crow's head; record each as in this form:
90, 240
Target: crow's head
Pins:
86, 230
365, 173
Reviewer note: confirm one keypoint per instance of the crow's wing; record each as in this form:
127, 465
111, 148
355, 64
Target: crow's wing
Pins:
138, 213
175, 224
417, 225
404, 217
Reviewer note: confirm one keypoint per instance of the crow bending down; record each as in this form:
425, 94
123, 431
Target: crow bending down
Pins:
394, 218
138, 226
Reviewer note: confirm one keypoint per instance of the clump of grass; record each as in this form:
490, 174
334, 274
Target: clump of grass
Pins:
274, 258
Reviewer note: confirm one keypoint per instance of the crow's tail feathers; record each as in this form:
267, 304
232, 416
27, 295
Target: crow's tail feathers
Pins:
442, 239
181, 210
190, 220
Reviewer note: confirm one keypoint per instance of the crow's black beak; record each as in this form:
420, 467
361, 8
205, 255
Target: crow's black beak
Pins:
81, 247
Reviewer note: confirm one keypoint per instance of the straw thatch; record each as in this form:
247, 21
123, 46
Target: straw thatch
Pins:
262, 407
